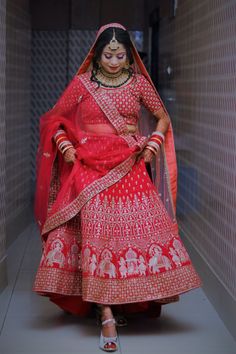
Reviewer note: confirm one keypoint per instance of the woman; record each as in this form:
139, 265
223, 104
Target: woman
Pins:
109, 232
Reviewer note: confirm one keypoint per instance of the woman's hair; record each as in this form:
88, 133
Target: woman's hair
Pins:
105, 37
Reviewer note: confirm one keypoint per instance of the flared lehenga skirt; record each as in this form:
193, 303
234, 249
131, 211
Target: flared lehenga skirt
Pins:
122, 247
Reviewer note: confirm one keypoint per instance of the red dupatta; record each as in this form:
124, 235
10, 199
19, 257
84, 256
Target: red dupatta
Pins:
57, 200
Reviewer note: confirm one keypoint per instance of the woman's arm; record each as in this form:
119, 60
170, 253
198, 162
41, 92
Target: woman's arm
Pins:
163, 121
151, 101
67, 102
69, 99
65, 146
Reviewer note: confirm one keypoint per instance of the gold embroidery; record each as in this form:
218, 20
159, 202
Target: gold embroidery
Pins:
46, 154
90, 191
116, 291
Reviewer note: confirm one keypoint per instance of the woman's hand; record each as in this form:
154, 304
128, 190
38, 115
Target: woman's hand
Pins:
147, 155
70, 155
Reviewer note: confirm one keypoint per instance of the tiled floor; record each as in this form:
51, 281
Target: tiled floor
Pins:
30, 324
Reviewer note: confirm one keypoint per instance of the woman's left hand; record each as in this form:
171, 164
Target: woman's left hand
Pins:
147, 155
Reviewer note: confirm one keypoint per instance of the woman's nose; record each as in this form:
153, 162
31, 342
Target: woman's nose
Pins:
114, 61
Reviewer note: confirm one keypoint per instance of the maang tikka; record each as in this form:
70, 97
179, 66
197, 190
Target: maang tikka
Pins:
113, 45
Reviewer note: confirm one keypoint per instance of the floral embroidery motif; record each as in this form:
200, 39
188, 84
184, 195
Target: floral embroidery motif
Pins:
46, 154
80, 98
83, 140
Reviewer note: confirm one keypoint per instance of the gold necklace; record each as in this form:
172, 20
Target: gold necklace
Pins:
112, 81
110, 75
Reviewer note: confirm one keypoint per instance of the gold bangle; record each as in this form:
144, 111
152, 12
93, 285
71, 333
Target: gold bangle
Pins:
154, 145
156, 139
151, 149
62, 137
66, 148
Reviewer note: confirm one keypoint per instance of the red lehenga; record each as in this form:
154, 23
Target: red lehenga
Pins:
109, 232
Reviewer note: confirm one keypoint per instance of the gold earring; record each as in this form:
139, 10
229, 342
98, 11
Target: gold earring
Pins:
127, 65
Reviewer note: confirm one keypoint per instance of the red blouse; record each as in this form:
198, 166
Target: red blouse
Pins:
128, 100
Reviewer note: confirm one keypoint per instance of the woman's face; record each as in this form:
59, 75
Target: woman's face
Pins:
113, 61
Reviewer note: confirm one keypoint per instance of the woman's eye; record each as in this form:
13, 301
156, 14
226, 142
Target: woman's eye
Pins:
120, 57
107, 56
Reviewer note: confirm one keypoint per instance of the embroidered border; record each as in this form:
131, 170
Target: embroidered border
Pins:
58, 281
90, 191
117, 291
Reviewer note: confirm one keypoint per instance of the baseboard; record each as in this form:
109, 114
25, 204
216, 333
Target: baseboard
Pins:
3, 273
221, 299
17, 223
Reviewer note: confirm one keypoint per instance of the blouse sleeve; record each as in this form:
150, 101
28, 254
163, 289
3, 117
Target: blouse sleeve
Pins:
66, 103
148, 96
69, 99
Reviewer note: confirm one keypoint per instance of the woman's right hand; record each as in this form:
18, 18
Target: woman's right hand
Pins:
70, 155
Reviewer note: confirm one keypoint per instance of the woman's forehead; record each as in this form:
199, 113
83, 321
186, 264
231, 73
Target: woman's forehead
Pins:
119, 50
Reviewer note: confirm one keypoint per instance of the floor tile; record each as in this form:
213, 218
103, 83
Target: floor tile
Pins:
190, 326
61, 334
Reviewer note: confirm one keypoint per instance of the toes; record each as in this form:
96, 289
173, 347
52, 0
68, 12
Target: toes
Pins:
110, 345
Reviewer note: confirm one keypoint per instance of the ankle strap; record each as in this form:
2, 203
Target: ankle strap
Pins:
109, 320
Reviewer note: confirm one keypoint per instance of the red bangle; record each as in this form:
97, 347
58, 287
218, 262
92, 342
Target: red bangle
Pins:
60, 139
159, 140
160, 134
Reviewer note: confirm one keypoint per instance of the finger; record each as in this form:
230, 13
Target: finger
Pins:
69, 156
148, 158
72, 158
68, 159
140, 157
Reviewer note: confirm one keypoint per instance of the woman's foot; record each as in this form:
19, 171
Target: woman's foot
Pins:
108, 338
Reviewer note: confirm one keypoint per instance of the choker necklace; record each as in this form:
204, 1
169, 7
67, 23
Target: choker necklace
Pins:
112, 80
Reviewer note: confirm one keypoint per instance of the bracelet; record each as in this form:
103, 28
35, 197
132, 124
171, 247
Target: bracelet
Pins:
156, 132
63, 143
154, 151
155, 142
66, 148
157, 139
60, 131
60, 138
154, 145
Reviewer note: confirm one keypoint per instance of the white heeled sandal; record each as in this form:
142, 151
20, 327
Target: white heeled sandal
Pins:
104, 341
